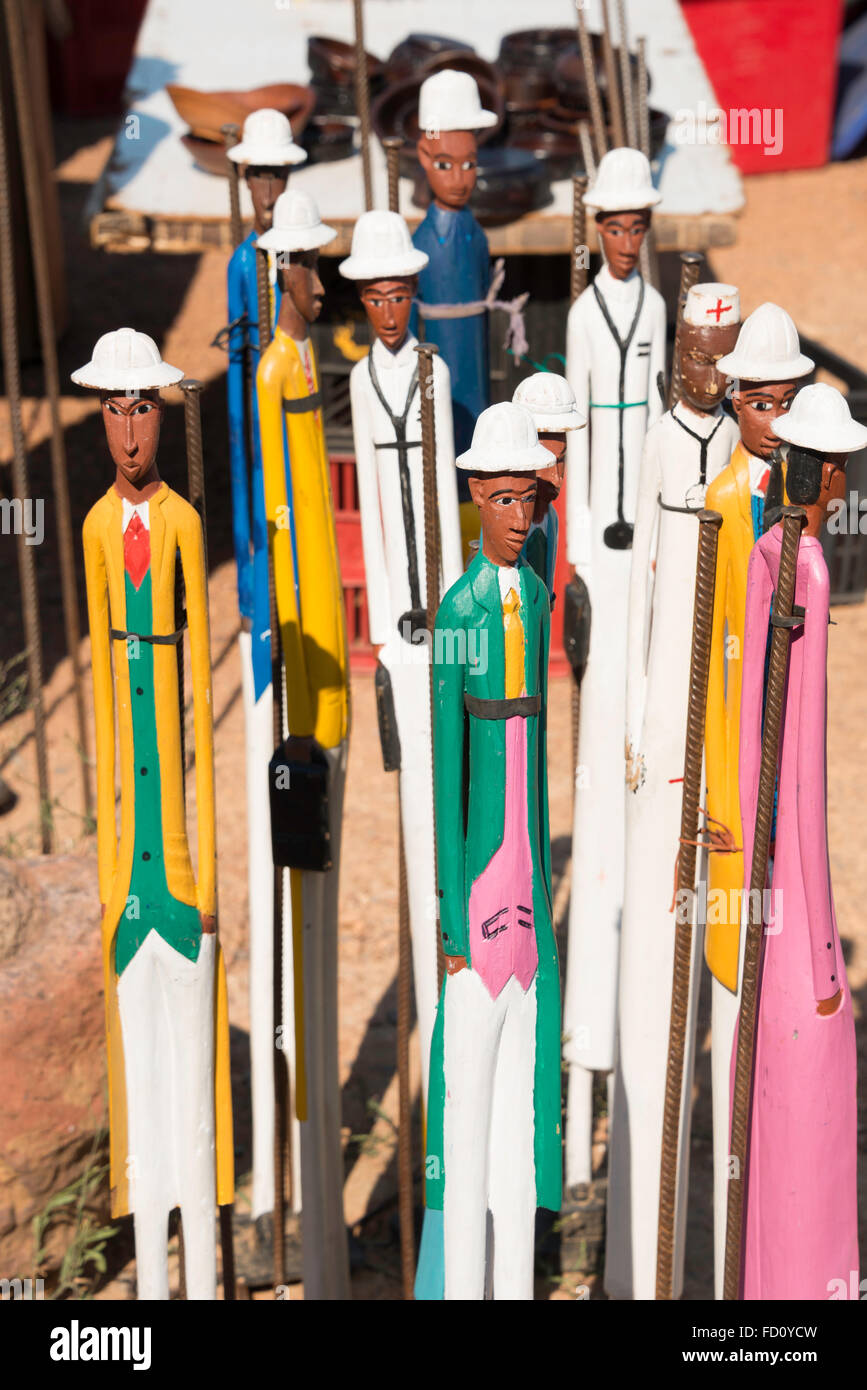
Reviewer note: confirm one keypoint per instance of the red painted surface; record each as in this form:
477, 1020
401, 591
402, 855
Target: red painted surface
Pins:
88, 69
773, 54
344, 490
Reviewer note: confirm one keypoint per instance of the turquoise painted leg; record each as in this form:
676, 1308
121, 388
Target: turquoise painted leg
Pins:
430, 1275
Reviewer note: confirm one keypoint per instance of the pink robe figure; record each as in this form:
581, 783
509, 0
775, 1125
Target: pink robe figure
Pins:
801, 1193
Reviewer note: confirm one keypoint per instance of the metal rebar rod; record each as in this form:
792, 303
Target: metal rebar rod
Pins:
404, 1122
585, 140
392, 145
579, 235
231, 136
702, 622
192, 390
643, 111
626, 76
21, 489
775, 690
362, 101
596, 113
426, 353
690, 264
263, 289
48, 346
615, 106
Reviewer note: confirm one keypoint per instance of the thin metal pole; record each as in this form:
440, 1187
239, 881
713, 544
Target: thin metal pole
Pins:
192, 390
362, 101
392, 144
702, 622
615, 108
643, 114
426, 353
404, 1121
21, 489
586, 143
231, 136
793, 520
690, 264
596, 113
48, 345
626, 76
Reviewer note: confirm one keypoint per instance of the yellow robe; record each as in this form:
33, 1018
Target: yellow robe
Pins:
729, 494
174, 525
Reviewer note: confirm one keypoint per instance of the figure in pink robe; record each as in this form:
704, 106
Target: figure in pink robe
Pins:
800, 1196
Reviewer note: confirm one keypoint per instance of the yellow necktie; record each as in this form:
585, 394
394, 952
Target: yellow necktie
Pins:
514, 639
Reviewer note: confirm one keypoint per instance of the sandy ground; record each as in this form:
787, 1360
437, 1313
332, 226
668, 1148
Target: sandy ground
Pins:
784, 253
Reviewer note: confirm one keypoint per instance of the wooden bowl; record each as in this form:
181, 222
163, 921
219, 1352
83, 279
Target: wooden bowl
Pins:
206, 112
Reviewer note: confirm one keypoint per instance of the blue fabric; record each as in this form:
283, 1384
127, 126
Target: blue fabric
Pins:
459, 271
430, 1274
250, 532
758, 509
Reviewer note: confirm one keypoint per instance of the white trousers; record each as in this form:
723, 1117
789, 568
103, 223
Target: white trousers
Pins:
489, 1063
166, 1005
410, 681
325, 1248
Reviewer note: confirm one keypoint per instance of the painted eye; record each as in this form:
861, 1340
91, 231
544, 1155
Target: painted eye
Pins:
144, 409
468, 164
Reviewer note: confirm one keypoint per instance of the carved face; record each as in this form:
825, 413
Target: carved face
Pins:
621, 235
450, 166
506, 502
132, 428
298, 273
550, 480
756, 404
266, 182
387, 303
702, 386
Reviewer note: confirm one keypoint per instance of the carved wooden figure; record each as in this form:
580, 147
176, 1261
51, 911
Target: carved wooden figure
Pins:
267, 152
386, 423
313, 638
493, 1136
615, 353
683, 452
801, 1218
165, 988
765, 367
551, 402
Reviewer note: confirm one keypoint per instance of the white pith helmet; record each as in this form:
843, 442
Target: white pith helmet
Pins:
296, 225
381, 246
712, 305
267, 139
767, 348
126, 361
450, 100
623, 182
505, 441
820, 419
551, 402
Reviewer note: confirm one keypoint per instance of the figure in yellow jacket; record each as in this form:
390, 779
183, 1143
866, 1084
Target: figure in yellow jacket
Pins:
765, 366
313, 638
165, 989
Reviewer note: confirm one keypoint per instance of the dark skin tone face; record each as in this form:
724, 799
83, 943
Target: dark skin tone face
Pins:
550, 480
506, 502
301, 288
621, 235
756, 404
833, 489
387, 303
450, 166
702, 386
266, 182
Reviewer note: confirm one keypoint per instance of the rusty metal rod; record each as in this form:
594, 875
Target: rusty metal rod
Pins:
626, 76
362, 101
586, 142
615, 106
392, 145
690, 264
192, 390
775, 690
21, 489
643, 109
596, 113
702, 622
231, 136
263, 289
578, 281
48, 346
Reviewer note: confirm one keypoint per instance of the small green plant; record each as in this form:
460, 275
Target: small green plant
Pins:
370, 1143
88, 1241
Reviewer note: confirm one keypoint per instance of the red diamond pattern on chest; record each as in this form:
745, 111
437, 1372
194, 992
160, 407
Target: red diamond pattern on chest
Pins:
136, 550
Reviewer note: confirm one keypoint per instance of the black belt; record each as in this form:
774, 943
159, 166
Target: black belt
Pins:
523, 707
302, 404
167, 639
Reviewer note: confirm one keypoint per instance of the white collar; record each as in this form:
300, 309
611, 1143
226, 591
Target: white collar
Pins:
386, 360
509, 579
612, 288
131, 509
702, 422
758, 468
